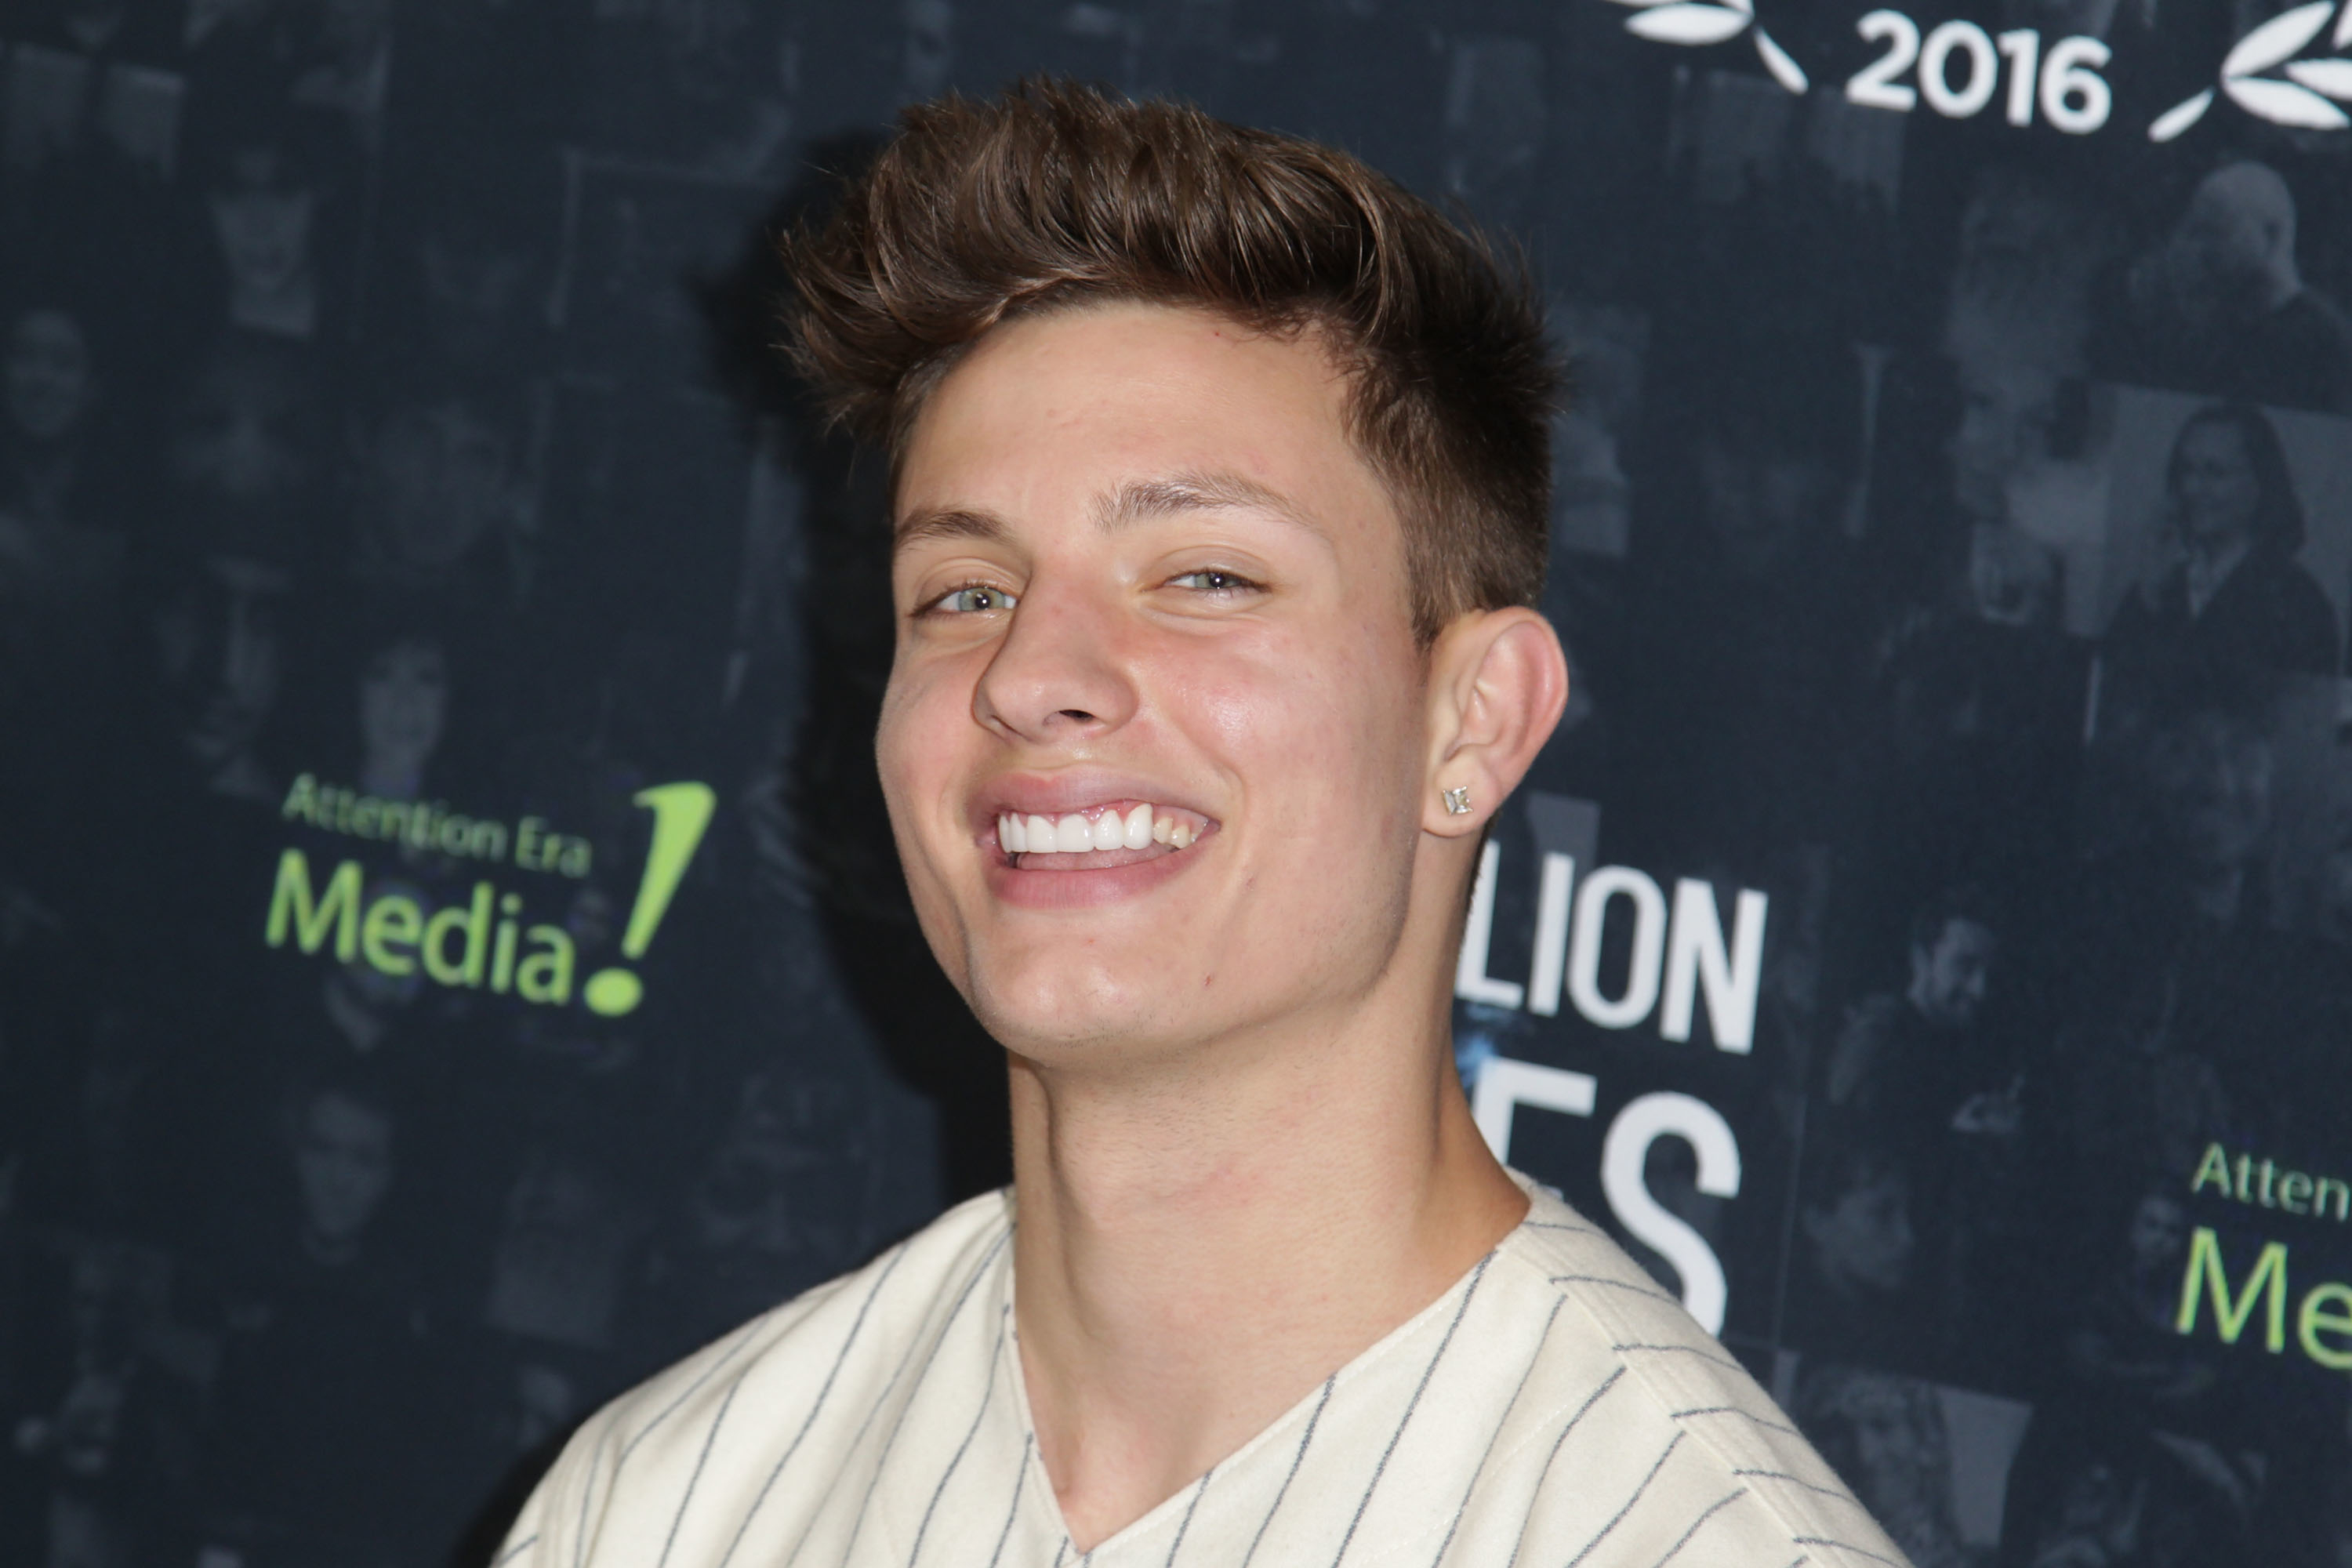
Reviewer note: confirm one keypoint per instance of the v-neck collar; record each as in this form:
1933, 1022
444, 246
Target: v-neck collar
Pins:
1177, 1508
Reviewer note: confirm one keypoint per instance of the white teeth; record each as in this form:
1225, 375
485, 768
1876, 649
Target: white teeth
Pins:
1073, 834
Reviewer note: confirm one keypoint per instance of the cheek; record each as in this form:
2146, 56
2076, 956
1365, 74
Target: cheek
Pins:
907, 715
923, 741
1319, 730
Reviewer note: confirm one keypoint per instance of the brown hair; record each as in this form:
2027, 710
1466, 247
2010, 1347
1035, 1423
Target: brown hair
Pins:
1055, 195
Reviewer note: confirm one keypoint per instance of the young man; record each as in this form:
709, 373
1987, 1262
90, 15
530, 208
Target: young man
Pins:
1219, 490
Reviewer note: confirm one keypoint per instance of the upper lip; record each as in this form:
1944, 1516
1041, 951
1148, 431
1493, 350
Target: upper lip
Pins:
1054, 794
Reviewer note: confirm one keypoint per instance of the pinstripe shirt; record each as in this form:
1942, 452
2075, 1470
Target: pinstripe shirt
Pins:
1554, 1407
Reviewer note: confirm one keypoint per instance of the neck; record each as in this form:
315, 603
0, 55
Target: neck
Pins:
1201, 1243
2215, 550
2210, 561
1917, 997
333, 1251
393, 776
2216, 891
291, 309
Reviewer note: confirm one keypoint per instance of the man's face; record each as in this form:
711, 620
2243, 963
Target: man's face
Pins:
263, 224
2212, 774
2159, 1230
1863, 1240
1760, 504
2213, 271
1886, 1438
342, 1162
2214, 482
404, 699
439, 477
2223, 231
241, 438
46, 376
1141, 565
219, 648
929, 54
1949, 980
2009, 406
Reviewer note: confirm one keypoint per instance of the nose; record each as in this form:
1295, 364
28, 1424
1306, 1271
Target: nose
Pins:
1060, 674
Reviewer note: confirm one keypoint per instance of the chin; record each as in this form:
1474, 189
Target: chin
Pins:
1052, 1012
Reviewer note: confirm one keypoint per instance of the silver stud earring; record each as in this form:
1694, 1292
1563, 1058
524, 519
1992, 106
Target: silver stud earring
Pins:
1457, 801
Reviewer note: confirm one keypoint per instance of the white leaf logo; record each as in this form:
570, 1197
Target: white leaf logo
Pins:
2277, 40
2180, 117
2284, 103
1697, 23
1785, 71
2301, 101
2333, 77
1683, 22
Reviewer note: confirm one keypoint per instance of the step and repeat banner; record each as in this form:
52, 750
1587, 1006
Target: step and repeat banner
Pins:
452, 958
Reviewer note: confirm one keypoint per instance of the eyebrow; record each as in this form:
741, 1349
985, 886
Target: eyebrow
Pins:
1135, 501
1141, 500
949, 523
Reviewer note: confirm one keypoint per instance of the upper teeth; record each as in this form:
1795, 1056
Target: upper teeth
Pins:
1074, 832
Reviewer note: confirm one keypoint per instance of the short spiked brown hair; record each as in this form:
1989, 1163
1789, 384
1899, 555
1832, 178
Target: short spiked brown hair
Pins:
976, 212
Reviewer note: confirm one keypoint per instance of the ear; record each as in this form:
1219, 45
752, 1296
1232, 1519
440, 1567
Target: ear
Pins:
1498, 683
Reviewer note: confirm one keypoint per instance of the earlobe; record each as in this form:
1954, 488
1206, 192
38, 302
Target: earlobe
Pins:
1498, 685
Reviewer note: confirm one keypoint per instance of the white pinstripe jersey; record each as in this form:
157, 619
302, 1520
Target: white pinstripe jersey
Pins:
1554, 1408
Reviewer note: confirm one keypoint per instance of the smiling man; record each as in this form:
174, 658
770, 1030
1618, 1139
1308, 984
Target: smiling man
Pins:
1219, 492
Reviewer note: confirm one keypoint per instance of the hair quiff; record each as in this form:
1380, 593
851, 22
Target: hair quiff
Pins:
1055, 195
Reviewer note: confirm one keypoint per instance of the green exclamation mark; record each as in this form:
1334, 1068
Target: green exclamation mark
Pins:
681, 811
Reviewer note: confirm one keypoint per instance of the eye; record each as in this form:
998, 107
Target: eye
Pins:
972, 599
1213, 580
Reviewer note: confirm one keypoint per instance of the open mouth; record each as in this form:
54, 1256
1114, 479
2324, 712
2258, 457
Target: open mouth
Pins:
1099, 838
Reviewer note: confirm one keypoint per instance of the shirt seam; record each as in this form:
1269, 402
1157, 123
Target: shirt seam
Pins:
1661, 1400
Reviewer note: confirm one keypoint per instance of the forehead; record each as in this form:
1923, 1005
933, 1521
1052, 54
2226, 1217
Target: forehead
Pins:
1963, 935
1052, 415
47, 329
2213, 438
333, 1114
406, 650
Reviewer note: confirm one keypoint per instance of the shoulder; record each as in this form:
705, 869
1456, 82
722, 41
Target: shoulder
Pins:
1878, 1013
2276, 571
2280, 592
2303, 588
2310, 308
1725, 1465
807, 1363
1872, 1027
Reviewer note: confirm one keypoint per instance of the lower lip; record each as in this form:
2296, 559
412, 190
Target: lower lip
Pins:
1076, 890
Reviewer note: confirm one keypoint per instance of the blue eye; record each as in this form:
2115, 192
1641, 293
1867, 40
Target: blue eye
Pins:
973, 599
1210, 580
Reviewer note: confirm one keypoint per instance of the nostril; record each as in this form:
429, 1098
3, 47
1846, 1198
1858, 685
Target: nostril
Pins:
1080, 714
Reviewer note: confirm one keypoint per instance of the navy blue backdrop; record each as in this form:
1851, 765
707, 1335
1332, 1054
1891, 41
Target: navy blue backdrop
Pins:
452, 958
